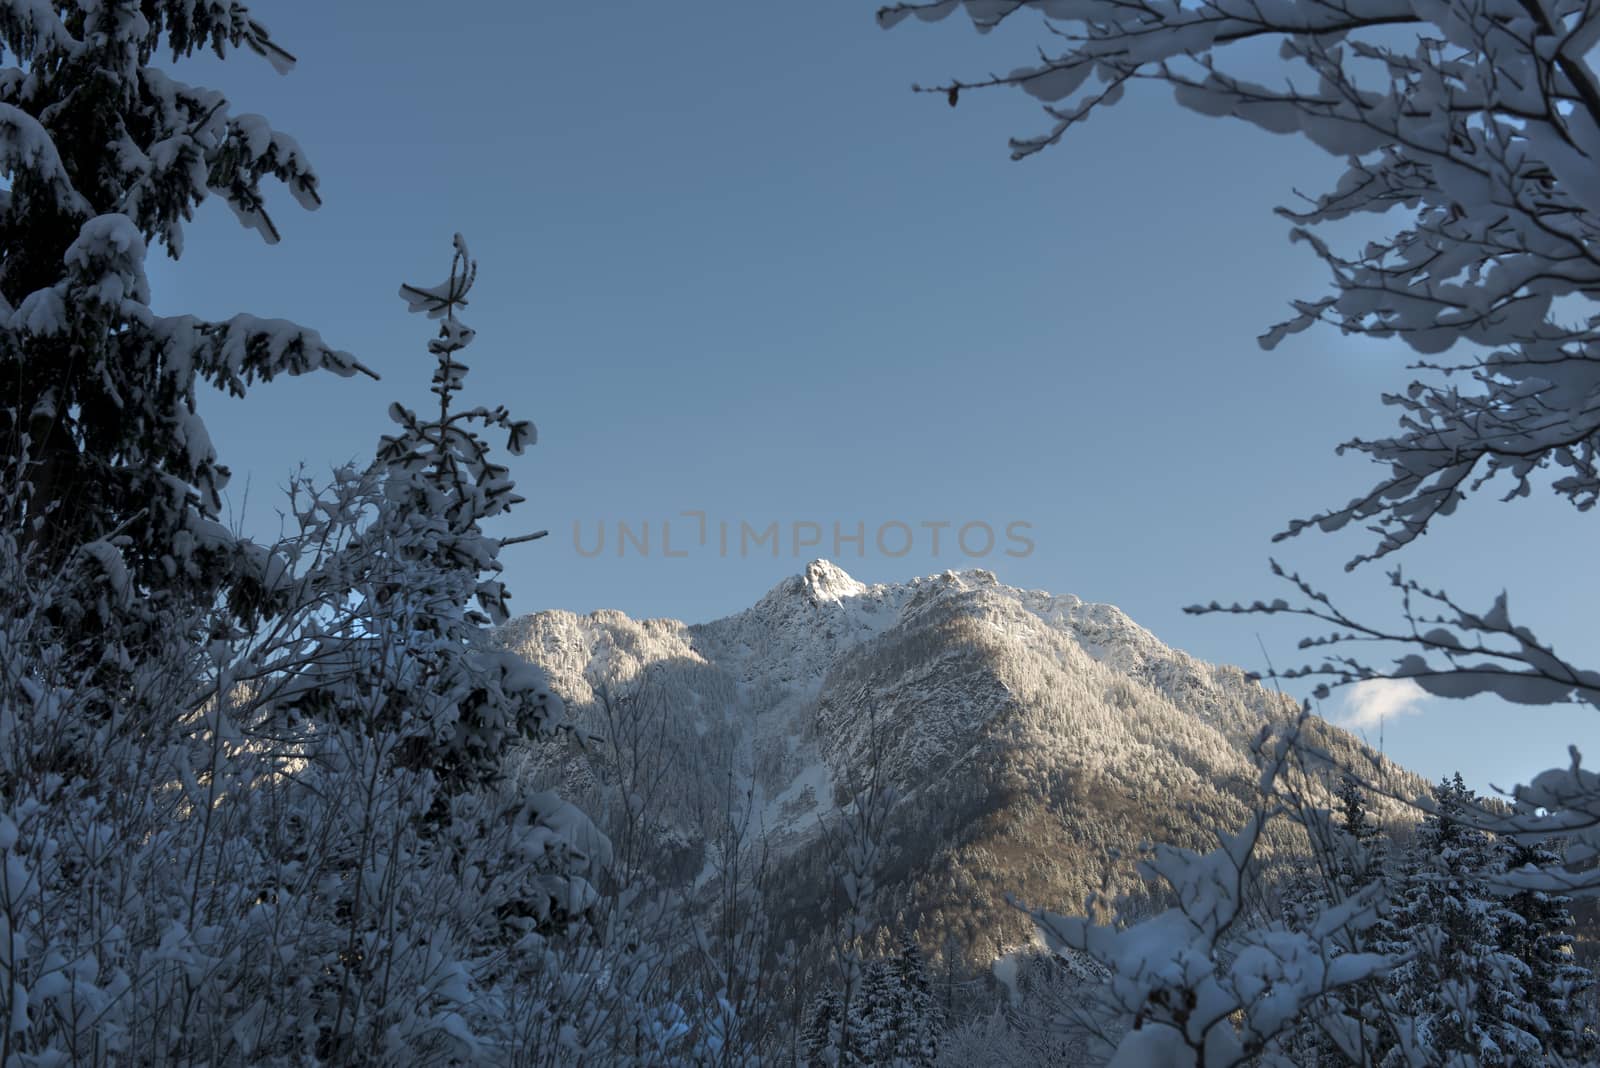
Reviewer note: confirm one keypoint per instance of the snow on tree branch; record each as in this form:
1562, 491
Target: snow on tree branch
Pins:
1478, 121
1445, 648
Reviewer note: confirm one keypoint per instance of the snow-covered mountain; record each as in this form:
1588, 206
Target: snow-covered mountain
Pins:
1027, 734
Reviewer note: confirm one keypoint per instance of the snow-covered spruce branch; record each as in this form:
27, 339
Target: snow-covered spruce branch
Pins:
1479, 120
100, 417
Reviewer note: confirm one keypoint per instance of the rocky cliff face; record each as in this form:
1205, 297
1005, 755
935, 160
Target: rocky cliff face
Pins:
1027, 736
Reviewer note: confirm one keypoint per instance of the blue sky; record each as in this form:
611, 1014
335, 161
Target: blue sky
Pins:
730, 264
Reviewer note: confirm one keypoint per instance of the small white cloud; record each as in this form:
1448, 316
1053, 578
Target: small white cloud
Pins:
1370, 702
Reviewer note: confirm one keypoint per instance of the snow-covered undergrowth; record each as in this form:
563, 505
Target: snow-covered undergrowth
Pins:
193, 876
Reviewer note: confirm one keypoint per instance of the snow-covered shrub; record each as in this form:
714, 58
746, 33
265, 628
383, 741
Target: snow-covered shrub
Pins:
215, 881
1214, 979
1431, 961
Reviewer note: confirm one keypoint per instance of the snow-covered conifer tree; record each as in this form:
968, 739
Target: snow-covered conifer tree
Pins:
923, 1016
879, 1020
824, 1027
1539, 934
889, 1019
415, 657
103, 153
1357, 861
1466, 993
1361, 859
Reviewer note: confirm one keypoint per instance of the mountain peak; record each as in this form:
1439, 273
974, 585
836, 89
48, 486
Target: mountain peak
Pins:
1004, 717
826, 581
